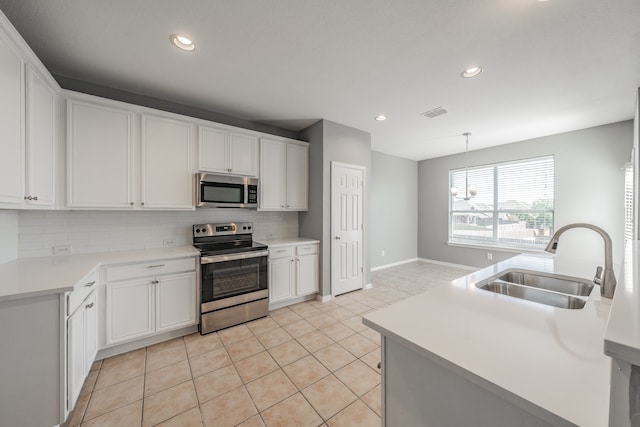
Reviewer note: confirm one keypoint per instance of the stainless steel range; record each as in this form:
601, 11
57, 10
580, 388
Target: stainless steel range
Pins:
233, 275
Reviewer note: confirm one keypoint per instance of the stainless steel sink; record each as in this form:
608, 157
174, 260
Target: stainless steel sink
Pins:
536, 295
550, 282
544, 288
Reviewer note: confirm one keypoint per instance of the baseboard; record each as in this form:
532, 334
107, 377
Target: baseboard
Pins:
448, 264
382, 267
324, 298
368, 286
296, 300
145, 342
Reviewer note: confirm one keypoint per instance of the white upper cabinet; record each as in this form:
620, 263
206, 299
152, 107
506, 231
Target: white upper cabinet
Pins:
12, 146
41, 141
121, 159
272, 174
99, 163
297, 183
227, 152
167, 165
27, 121
284, 175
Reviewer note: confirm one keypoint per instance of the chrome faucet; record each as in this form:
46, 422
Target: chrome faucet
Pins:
606, 280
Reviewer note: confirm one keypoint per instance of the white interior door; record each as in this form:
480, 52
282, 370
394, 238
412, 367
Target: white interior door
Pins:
347, 204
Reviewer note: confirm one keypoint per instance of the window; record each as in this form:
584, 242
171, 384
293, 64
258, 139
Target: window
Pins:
628, 202
513, 206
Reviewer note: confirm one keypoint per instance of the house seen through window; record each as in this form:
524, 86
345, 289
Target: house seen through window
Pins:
513, 206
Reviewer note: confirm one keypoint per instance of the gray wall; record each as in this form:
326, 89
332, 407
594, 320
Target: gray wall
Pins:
394, 209
589, 183
329, 142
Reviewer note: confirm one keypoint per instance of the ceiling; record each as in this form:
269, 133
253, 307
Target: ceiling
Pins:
549, 66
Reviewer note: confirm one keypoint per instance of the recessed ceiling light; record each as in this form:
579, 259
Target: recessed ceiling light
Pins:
471, 72
380, 118
182, 42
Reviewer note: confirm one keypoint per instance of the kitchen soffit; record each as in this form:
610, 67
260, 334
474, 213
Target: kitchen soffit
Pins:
548, 67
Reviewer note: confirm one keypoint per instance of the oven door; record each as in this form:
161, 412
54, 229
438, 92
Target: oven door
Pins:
233, 279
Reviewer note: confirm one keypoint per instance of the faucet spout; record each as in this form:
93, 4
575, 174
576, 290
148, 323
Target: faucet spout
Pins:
606, 280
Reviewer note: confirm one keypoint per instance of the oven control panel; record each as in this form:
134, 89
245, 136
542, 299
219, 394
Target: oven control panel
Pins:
205, 230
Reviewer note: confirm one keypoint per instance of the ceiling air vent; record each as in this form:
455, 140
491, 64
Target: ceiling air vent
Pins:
434, 113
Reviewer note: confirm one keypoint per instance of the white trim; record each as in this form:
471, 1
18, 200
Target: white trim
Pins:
393, 264
324, 298
279, 304
368, 286
449, 264
496, 248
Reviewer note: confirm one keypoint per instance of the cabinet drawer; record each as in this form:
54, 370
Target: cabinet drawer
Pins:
306, 250
81, 290
276, 253
152, 268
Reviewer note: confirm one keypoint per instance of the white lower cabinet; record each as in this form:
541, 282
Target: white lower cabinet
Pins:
293, 273
162, 299
82, 333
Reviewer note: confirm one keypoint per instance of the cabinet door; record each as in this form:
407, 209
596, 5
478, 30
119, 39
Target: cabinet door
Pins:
308, 282
167, 164
91, 330
41, 137
130, 310
281, 278
75, 355
244, 154
272, 174
11, 124
99, 151
297, 186
213, 150
176, 304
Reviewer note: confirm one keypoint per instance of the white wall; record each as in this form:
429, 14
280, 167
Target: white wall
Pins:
104, 231
8, 235
589, 186
394, 209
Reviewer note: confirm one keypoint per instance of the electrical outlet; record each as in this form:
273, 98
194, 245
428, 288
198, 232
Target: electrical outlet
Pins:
167, 243
489, 255
62, 250
383, 252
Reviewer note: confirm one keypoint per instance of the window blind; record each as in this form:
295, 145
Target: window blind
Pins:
513, 205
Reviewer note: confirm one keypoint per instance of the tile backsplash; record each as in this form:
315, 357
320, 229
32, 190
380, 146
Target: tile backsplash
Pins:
8, 235
105, 231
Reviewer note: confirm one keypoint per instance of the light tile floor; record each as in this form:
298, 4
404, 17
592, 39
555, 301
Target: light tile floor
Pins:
309, 364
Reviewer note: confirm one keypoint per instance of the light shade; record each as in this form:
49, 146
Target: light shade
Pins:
182, 42
471, 72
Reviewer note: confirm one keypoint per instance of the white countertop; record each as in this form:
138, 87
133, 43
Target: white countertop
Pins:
274, 243
622, 339
27, 277
547, 360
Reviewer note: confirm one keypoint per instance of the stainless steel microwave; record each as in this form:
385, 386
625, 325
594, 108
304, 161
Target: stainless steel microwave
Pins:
223, 191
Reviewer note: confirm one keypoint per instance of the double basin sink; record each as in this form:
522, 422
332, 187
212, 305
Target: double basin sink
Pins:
544, 288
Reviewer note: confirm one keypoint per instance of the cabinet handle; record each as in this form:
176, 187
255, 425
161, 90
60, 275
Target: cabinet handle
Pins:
90, 284
142, 203
154, 282
282, 206
88, 305
281, 251
131, 203
28, 198
35, 197
155, 266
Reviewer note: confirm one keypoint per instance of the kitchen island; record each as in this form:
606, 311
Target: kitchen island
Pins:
461, 356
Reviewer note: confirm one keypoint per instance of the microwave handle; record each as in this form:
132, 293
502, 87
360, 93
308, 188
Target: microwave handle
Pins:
232, 257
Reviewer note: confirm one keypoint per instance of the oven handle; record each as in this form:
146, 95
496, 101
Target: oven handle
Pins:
232, 257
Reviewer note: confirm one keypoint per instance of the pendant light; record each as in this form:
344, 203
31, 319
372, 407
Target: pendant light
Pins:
469, 190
